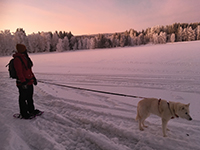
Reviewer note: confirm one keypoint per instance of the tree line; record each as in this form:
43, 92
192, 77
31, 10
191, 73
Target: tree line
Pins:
66, 41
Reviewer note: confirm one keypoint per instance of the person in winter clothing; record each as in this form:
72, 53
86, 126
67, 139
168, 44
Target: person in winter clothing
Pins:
24, 82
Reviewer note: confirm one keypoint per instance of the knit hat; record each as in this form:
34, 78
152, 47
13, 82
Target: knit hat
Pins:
20, 48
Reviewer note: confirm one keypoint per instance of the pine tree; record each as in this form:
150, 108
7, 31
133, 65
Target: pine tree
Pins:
54, 42
72, 42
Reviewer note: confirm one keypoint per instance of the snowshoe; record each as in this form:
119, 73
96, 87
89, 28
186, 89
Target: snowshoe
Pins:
38, 112
19, 116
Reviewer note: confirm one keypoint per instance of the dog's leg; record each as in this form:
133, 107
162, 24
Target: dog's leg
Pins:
145, 117
144, 125
142, 119
140, 124
164, 126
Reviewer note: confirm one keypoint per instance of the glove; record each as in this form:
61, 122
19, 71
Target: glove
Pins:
24, 85
35, 81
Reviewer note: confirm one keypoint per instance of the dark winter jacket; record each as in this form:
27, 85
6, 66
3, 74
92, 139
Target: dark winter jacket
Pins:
23, 70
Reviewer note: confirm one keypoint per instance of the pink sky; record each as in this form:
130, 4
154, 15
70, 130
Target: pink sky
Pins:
94, 16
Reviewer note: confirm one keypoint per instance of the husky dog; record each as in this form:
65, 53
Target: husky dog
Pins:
162, 108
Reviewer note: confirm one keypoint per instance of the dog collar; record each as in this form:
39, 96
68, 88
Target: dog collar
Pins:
173, 112
169, 110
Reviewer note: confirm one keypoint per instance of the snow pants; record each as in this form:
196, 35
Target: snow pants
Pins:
26, 105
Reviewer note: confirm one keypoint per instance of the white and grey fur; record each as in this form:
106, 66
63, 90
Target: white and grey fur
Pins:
162, 108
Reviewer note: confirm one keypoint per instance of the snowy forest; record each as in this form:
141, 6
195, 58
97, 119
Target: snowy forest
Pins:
66, 41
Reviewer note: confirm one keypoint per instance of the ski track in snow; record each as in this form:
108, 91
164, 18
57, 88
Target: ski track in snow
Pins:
81, 120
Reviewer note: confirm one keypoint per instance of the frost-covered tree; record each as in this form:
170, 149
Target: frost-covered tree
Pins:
191, 34
122, 40
84, 43
33, 40
129, 40
63, 44
180, 34
39, 42
155, 38
107, 43
73, 43
54, 41
66, 43
21, 38
140, 39
7, 43
88, 43
162, 38
156, 29
146, 39
115, 40
134, 40
172, 38
185, 34
101, 41
46, 41
198, 32
59, 46
133, 33
79, 43
75, 47
92, 43
42, 43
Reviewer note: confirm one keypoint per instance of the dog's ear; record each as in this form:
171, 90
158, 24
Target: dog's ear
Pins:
188, 105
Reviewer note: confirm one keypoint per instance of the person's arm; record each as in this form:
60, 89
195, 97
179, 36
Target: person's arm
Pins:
19, 70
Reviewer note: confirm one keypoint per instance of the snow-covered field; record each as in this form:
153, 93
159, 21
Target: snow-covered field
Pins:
82, 120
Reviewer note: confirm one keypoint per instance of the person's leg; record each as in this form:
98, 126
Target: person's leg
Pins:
30, 102
22, 102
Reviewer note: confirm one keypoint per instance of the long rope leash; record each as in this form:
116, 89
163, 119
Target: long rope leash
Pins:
91, 90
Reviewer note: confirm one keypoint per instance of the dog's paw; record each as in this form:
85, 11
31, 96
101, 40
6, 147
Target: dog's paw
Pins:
165, 135
168, 129
141, 129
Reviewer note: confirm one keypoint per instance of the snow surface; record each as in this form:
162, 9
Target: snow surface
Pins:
82, 120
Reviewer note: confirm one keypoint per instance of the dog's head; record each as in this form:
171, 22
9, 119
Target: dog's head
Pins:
183, 111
